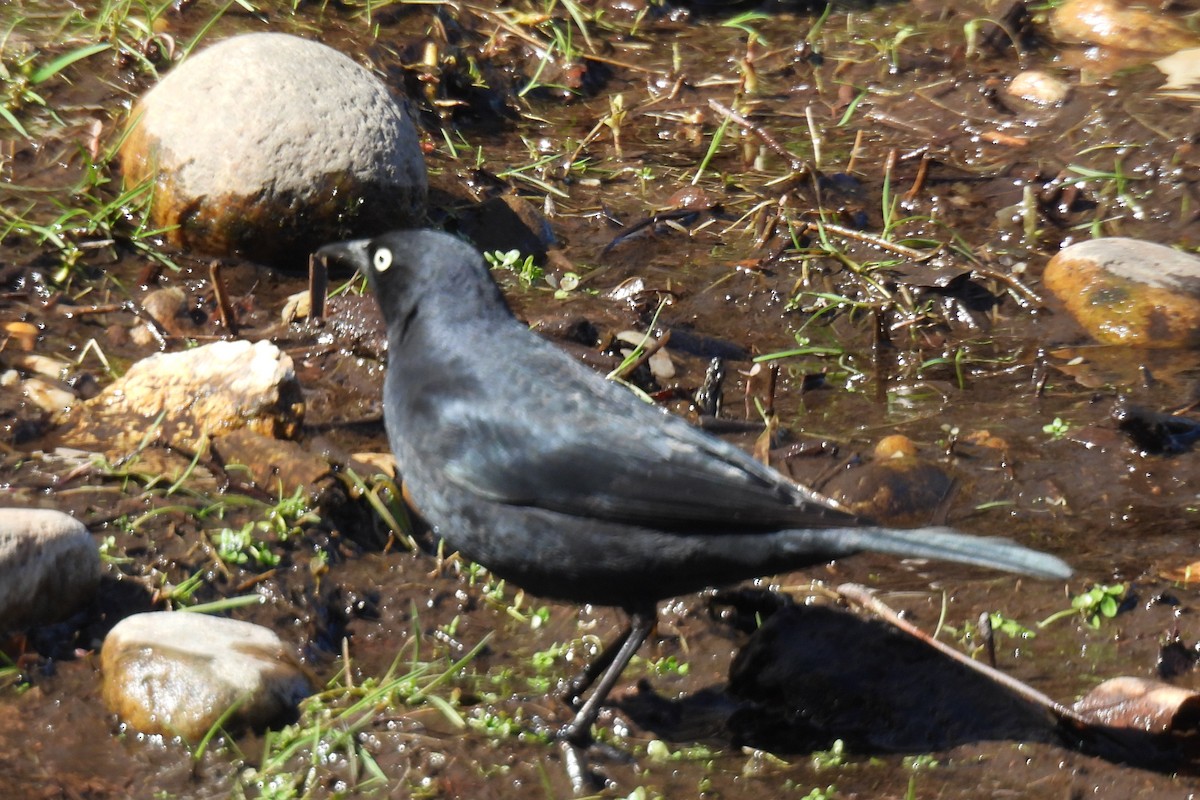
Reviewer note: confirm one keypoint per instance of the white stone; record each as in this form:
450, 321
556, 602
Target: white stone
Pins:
205, 391
1042, 88
176, 673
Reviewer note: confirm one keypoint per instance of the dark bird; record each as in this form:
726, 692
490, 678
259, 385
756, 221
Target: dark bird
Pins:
571, 487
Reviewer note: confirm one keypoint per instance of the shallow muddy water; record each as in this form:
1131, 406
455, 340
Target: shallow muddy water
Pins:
895, 125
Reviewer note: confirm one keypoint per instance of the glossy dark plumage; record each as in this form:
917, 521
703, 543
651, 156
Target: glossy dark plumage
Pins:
568, 485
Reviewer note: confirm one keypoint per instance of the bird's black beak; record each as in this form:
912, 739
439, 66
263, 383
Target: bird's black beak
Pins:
352, 254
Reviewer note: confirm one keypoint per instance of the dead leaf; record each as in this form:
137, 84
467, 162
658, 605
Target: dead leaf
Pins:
1141, 704
1188, 573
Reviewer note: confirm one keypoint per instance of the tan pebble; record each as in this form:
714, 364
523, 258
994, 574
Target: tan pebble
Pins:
985, 439
895, 446
1042, 88
1109, 23
25, 333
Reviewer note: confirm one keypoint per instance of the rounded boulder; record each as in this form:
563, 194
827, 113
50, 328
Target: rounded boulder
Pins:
178, 674
1128, 291
49, 567
267, 145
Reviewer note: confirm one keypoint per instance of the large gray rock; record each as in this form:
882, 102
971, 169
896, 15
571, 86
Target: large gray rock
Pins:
176, 673
49, 567
1129, 291
266, 145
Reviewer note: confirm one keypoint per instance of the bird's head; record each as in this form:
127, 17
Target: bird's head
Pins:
436, 273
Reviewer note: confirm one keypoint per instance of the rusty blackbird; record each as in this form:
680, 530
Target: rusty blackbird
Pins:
570, 486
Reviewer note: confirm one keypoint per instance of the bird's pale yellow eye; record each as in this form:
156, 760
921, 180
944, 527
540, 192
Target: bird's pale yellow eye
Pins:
382, 259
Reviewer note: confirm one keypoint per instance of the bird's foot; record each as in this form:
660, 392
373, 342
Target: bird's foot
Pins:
579, 750
583, 778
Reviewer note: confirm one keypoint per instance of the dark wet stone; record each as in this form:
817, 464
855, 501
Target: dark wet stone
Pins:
688, 341
574, 329
1155, 431
895, 490
278, 467
506, 222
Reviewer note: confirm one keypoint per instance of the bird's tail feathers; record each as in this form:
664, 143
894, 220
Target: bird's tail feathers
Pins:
945, 544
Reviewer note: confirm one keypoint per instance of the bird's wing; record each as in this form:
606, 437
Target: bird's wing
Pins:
624, 461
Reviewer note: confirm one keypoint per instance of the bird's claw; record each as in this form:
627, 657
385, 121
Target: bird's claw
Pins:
583, 778
579, 750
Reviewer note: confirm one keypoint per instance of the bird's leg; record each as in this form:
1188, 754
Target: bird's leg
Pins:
583, 681
577, 734
578, 730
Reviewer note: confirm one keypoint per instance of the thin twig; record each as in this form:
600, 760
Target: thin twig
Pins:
318, 287
648, 349
870, 238
223, 307
862, 597
1013, 283
795, 163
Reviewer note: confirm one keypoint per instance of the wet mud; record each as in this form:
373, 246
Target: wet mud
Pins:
958, 349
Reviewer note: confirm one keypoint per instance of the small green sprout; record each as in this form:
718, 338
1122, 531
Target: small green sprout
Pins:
290, 514
1096, 605
1009, 627
526, 270
539, 617
182, 593
544, 660
493, 724
835, 756
1056, 429
109, 552
451, 627
658, 750
922, 761
240, 547
569, 282
821, 794
669, 666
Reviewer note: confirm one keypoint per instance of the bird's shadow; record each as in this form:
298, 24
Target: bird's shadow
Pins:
812, 675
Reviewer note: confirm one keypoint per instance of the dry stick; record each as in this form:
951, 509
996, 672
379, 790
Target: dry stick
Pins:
1041, 373
71, 312
919, 182
318, 287
872, 239
647, 350
795, 163
814, 135
862, 597
855, 152
223, 306
772, 382
889, 167
989, 637
1013, 282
